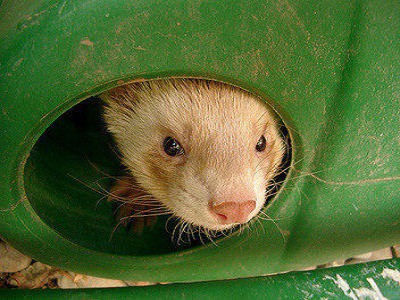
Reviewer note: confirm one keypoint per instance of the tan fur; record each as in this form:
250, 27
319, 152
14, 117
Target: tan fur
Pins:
218, 125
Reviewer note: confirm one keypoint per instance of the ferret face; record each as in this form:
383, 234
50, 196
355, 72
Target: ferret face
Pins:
204, 149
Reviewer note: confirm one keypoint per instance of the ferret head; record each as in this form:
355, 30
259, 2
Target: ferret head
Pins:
204, 149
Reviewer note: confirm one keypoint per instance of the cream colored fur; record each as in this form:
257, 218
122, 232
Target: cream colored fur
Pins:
218, 125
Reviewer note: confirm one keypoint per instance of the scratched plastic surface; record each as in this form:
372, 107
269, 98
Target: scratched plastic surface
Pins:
374, 280
330, 70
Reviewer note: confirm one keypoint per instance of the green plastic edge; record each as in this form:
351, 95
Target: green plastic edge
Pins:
372, 280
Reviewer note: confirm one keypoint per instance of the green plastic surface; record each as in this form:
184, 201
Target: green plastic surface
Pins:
329, 69
374, 280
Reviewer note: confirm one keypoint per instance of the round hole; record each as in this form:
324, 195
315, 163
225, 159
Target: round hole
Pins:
68, 174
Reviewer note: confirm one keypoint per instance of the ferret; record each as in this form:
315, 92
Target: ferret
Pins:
205, 150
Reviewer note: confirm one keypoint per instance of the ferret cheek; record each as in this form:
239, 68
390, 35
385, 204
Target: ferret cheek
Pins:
172, 161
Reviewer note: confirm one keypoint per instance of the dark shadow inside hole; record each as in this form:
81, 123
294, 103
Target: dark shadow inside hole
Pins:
284, 167
67, 175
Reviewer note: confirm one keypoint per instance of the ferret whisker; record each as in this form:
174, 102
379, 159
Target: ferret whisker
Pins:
130, 186
121, 204
283, 171
248, 227
113, 196
245, 227
269, 194
207, 233
296, 131
175, 228
211, 234
115, 229
102, 191
99, 201
187, 231
192, 231
267, 217
258, 225
157, 207
97, 169
241, 228
200, 235
145, 215
276, 224
84, 183
99, 180
211, 238
143, 202
289, 167
181, 231
145, 199
108, 194
167, 222
154, 210
304, 174
228, 231
222, 232
262, 226
255, 226
160, 208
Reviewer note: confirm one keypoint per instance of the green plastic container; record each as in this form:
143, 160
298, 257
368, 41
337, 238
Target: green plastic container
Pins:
329, 69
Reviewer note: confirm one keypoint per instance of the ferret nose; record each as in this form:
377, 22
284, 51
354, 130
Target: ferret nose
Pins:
233, 212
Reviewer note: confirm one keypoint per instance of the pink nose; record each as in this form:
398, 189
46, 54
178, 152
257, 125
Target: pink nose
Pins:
233, 212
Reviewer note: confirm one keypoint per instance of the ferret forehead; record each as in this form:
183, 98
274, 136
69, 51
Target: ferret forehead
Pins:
198, 105
246, 116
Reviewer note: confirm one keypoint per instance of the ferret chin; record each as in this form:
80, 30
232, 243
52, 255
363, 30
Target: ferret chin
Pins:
205, 150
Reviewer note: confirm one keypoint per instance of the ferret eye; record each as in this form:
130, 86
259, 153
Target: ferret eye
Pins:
261, 144
172, 147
